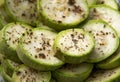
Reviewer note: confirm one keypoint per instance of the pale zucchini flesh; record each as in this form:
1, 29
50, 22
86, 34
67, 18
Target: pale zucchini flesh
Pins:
74, 44
63, 14
36, 50
22, 10
106, 40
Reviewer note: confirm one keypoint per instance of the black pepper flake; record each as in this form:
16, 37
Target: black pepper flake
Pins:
41, 55
94, 10
18, 73
35, 56
69, 9
102, 2
59, 21
23, 14
113, 35
71, 2
63, 16
77, 9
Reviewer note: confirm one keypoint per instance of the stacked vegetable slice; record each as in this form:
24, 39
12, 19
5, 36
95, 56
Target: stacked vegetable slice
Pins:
60, 41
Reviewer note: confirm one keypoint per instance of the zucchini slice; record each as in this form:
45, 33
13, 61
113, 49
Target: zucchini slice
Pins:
111, 75
9, 66
35, 50
22, 10
26, 74
9, 39
73, 45
111, 62
91, 2
73, 73
63, 14
105, 37
111, 3
108, 14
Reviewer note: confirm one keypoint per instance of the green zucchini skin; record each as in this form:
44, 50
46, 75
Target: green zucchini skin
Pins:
102, 32
57, 24
37, 62
74, 37
111, 62
27, 74
9, 66
5, 76
107, 14
5, 48
73, 73
28, 12
99, 75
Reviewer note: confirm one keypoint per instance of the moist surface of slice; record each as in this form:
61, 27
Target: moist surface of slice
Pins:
106, 40
22, 10
63, 14
111, 3
111, 75
106, 13
74, 45
73, 73
9, 39
36, 50
26, 74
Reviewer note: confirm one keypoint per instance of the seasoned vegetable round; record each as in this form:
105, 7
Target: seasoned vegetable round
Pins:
26, 74
63, 14
9, 39
106, 40
73, 45
35, 49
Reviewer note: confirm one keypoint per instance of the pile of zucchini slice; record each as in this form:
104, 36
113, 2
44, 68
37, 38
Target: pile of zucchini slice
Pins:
60, 40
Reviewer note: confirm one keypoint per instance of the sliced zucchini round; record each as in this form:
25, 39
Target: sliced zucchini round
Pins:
73, 73
22, 10
111, 75
111, 3
63, 14
26, 74
91, 2
106, 13
111, 62
9, 66
73, 45
35, 49
105, 37
9, 39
